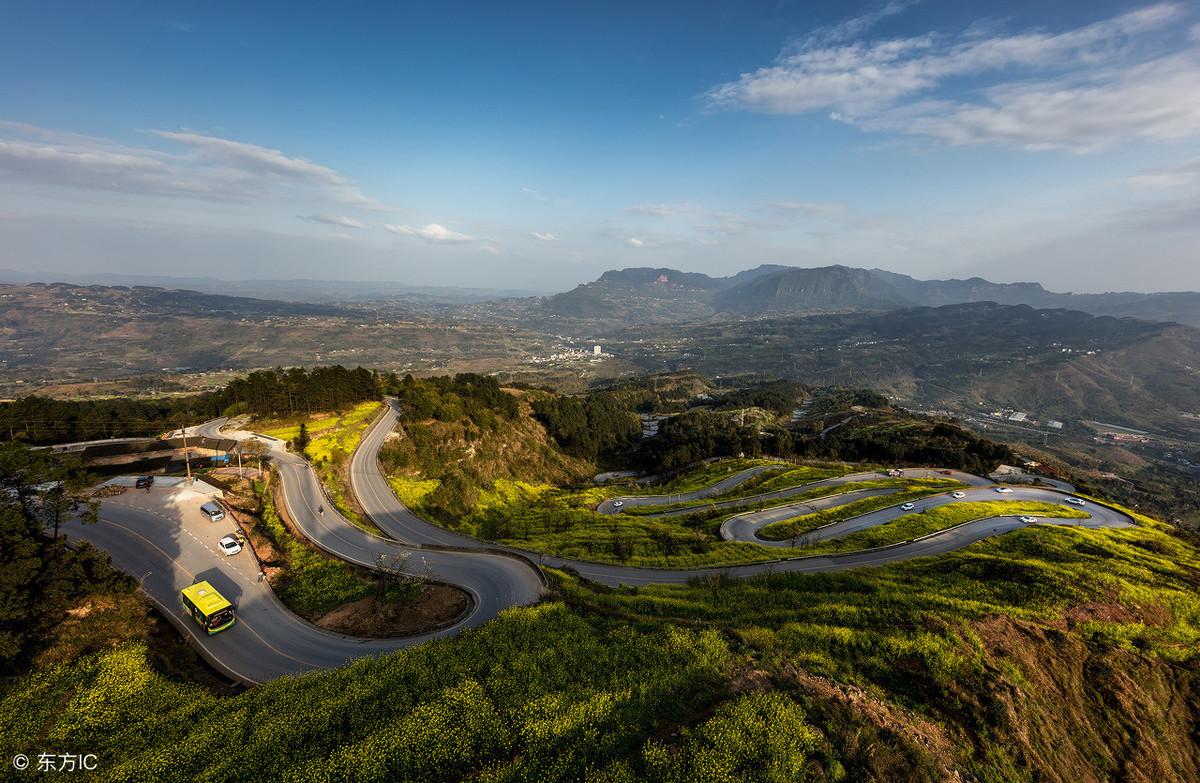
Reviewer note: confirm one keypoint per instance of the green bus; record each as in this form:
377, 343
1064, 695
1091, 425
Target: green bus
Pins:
208, 607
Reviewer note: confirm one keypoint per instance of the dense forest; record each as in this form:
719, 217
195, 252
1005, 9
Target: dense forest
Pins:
596, 427
39, 574
41, 421
909, 443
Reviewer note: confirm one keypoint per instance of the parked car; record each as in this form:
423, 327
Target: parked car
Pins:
230, 545
908, 506
1075, 501
144, 482
213, 510
1004, 490
959, 495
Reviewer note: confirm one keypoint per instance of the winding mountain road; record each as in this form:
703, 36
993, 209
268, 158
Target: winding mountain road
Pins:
161, 538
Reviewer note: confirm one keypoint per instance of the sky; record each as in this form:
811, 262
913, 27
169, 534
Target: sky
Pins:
534, 145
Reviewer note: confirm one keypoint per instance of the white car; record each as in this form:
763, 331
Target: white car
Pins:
959, 495
908, 507
618, 503
1075, 501
230, 545
1029, 520
1004, 490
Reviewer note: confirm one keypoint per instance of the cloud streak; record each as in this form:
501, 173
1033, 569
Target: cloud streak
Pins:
208, 167
333, 220
1082, 88
434, 233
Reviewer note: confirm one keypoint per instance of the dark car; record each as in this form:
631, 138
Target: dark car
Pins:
144, 482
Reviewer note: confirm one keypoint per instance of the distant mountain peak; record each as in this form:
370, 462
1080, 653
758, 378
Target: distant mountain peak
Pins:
660, 294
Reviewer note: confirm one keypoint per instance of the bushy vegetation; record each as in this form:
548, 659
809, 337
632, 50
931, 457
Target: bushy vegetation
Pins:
314, 582
540, 694
328, 440
925, 632
463, 437
466, 396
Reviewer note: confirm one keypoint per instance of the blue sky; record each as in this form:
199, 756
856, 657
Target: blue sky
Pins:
534, 145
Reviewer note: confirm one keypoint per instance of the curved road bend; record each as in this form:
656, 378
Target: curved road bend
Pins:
608, 507
395, 519
162, 539
746, 527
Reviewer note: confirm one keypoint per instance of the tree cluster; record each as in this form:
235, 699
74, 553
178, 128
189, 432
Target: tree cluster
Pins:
39, 575
779, 397
288, 392
41, 421
598, 426
465, 396
696, 435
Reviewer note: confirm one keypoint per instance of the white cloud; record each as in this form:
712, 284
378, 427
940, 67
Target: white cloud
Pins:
851, 28
431, 232
214, 169
809, 208
634, 242
333, 220
267, 162
543, 236
1154, 100
1179, 175
1088, 75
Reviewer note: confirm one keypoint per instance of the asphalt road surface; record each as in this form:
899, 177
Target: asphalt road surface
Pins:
162, 538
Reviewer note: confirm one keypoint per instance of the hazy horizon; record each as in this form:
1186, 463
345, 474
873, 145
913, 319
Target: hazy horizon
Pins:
532, 148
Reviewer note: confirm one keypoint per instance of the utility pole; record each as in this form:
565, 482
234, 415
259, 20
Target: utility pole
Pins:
186, 456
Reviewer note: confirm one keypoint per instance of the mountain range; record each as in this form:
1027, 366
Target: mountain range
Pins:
658, 295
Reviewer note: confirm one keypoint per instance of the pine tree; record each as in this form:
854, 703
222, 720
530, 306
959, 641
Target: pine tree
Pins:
302, 439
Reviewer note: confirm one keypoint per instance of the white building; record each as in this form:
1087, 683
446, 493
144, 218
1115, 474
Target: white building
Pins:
596, 350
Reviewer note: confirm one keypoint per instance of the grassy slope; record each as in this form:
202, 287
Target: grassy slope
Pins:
912, 526
599, 688
315, 582
925, 635
563, 522
334, 437
442, 469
